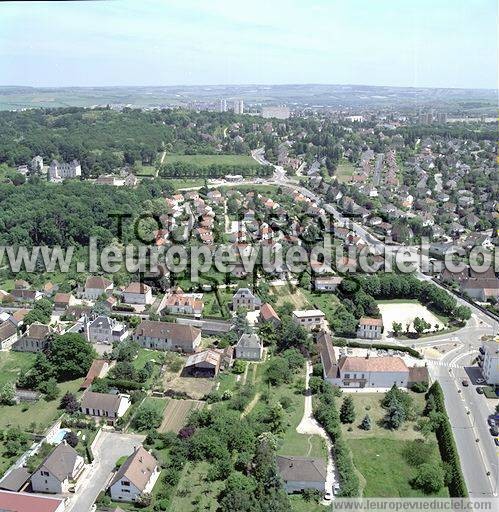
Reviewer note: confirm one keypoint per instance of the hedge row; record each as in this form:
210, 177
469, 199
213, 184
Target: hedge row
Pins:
447, 444
327, 415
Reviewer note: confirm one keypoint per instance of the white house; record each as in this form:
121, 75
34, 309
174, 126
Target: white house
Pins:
244, 298
370, 328
136, 477
309, 319
61, 170
96, 286
249, 347
58, 472
327, 284
104, 329
137, 293
8, 335
108, 406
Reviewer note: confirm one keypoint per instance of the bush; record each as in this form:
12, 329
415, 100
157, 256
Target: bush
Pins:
429, 478
146, 417
420, 387
238, 367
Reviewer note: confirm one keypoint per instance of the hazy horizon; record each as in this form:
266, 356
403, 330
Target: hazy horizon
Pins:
442, 44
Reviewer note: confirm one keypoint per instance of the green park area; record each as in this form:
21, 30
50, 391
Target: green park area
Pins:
206, 160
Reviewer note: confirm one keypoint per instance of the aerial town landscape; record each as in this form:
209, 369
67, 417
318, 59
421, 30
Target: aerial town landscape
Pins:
254, 298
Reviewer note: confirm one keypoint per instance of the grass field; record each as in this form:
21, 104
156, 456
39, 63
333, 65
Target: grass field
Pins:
298, 504
378, 453
185, 183
326, 302
176, 413
206, 160
39, 415
344, 171
12, 364
382, 464
144, 170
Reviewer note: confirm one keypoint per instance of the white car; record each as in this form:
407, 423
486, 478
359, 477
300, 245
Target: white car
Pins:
328, 496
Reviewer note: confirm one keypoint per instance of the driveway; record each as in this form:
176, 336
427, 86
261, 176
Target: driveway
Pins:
109, 447
309, 425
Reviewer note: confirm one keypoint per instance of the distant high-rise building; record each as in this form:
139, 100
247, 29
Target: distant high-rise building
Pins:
442, 118
281, 112
238, 107
222, 107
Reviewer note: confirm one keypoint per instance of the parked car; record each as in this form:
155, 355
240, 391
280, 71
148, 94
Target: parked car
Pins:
479, 391
496, 440
494, 431
465, 383
480, 381
492, 422
328, 496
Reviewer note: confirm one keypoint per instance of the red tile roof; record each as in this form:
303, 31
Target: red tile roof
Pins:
23, 502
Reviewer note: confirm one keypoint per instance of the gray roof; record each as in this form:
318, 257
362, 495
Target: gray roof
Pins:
61, 462
100, 401
15, 480
101, 322
249, 341
301, 469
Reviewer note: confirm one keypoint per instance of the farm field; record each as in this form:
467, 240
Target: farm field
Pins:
206, 160
176, 413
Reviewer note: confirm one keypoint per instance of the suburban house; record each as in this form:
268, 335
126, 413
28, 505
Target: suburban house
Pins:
268, 314
309, 319
104, 405
244, 298
35, 339
8, 335
249, 347
300, 473
167, 336
138, 293
25, 295
104, 329
63, 301
327, 284
366, 372
96, 286
25, 502
58, 472
370, 328
136, 477
98, 370
182, 304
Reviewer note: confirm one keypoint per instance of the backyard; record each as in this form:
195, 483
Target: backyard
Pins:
13, 363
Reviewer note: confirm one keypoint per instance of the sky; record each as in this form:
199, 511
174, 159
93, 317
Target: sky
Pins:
423, 43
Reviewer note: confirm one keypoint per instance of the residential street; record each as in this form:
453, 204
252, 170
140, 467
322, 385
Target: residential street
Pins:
108, 449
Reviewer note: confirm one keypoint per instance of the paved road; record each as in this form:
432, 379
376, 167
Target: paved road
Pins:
109, 448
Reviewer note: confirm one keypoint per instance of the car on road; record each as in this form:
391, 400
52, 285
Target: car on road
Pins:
492, 422
494, 431
328, 496
465, 383
479, 391
496, 440
480, 381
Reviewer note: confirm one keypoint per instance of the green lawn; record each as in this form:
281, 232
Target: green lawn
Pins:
344, 171
39, 415
206, 160
294, 443
185, 183
326, 302
387, 473
12, 363
298, 504
144, 170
